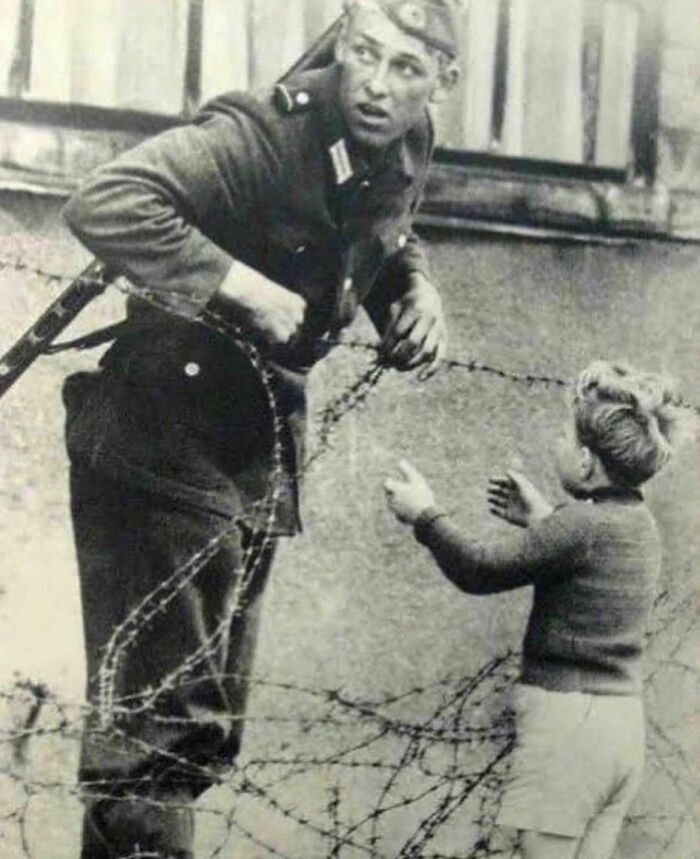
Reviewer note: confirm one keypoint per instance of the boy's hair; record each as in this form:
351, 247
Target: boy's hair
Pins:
632, 420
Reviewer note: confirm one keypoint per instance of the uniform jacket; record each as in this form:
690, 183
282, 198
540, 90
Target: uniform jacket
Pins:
269, 179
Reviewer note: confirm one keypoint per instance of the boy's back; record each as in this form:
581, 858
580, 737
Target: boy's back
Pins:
588, 623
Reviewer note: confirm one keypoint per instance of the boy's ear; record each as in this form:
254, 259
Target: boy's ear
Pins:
446, 82
587, 462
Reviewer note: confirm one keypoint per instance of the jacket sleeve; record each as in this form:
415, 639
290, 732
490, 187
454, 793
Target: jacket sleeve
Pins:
144, 214
551, 549
394, 282
395, 278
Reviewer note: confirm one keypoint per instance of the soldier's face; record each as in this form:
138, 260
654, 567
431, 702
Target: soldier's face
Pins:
387, 77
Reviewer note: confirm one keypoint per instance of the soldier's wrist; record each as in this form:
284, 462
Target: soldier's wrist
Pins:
234, 290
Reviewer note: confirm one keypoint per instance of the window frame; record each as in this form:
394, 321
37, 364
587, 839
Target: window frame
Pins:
644, 115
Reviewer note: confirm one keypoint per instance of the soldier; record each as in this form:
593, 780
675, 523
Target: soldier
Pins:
281, 212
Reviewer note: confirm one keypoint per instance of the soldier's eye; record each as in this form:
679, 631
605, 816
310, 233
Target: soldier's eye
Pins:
363, 52
407, 69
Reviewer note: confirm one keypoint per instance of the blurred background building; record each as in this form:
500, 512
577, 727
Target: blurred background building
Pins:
604, 90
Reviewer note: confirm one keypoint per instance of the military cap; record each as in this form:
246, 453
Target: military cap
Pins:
434, 22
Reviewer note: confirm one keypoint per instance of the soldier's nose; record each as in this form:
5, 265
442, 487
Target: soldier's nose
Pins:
375, 90
376, 86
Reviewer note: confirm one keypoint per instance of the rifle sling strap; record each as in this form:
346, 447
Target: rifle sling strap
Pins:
89, 341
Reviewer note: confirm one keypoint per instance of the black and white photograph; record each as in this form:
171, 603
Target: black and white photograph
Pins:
349, 422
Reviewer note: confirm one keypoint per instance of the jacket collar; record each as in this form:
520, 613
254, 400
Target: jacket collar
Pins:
621, 494
346, 159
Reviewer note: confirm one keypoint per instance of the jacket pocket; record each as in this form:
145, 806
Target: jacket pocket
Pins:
75, 393
287, 253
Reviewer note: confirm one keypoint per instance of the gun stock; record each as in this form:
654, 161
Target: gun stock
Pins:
88, 285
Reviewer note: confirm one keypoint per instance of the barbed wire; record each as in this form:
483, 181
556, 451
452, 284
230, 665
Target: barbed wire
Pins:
223, 325
446, 765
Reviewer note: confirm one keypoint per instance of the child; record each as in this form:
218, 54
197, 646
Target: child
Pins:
594, 564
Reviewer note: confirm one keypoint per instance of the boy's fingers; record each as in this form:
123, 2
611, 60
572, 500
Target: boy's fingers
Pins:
515, 463
503, 488
390, 486
409, 471
509, 476
516, 477
505, 484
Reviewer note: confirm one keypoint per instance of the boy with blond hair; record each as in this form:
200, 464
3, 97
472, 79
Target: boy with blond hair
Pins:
594, 564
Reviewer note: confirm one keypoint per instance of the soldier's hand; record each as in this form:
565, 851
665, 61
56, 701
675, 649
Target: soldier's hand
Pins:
417, 335
273, 312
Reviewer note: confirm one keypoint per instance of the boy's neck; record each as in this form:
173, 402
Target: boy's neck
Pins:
607, 491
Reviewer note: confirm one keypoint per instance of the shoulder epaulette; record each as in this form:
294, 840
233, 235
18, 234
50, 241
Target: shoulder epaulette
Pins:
290, 99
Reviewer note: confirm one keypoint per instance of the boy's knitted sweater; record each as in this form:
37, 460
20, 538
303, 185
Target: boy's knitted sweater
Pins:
594, 565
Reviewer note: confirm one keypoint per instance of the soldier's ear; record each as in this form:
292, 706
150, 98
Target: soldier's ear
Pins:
446, 82
588, 463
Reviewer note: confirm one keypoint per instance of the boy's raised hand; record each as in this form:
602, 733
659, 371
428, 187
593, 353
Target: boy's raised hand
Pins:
409, 497
514, 498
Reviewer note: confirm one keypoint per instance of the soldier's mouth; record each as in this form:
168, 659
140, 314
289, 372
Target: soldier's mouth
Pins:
371, 113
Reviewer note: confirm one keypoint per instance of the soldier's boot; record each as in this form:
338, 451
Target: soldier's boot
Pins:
139, 828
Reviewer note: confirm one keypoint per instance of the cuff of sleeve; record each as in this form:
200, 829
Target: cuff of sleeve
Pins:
183, 285
423, 524
200, 278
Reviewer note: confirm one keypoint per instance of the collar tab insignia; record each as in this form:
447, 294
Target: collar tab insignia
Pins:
291, 100
342, 165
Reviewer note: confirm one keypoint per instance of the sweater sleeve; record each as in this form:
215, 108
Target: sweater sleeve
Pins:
143, 214
543, 553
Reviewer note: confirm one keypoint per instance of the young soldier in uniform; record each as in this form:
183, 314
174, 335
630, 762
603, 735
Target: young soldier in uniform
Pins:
282, 212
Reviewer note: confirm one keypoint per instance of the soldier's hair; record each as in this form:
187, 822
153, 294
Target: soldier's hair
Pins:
632, 420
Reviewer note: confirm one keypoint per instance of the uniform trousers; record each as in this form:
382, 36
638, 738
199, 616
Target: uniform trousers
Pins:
169, 654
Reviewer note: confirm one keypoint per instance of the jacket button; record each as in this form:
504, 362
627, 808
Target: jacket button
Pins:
192, 369
347, 284
403, 238
302, 98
